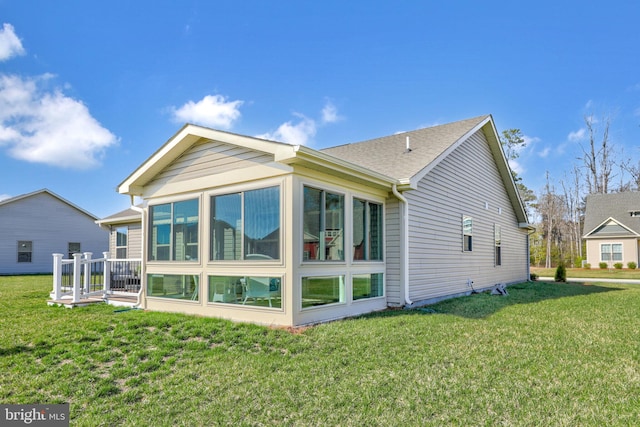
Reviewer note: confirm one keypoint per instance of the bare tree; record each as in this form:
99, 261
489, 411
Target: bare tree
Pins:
552, 210
574, 209
634, 172
598, 158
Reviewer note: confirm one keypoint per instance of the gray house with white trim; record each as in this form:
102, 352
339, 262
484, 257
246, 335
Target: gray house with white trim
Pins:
253, 230
33, 226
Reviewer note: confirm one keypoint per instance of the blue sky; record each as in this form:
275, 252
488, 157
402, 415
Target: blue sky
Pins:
89, 90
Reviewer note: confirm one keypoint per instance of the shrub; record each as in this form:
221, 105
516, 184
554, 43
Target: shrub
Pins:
587, 266
632, 265
533, 277
617, 265
561, 273
603, 265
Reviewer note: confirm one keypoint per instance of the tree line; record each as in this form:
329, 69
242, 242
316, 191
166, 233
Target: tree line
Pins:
557, 211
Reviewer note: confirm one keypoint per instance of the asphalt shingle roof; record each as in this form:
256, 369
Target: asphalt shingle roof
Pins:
618, 206
388, 155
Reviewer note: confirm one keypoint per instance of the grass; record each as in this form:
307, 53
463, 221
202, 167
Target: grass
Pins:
591, 273
546, 355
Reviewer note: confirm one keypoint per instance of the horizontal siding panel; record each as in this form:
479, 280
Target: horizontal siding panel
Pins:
50, 224
461, 185
392, 254
210, 158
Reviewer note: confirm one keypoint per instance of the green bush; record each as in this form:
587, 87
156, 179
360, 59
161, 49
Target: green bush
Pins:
587, 266
533, 277
561, 273
617, 266
632, 265
603, 265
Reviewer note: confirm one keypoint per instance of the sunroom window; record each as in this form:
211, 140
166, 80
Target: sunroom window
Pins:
323, 225
322, 290
246, 225
367, 230
174, 231
367, 286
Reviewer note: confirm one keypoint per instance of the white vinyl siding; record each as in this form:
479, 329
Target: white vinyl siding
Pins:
392, 241
50, 224
467, 182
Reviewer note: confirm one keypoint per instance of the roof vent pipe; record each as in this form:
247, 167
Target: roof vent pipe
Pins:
408, 145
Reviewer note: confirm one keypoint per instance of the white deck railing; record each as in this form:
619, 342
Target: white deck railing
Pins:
83, 276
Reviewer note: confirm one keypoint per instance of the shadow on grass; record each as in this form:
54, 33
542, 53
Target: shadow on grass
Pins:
482, 305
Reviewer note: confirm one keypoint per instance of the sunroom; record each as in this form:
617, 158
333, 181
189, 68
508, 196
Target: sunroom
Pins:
259, 231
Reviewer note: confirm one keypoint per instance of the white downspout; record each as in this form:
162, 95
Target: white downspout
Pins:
404, 244
142, 241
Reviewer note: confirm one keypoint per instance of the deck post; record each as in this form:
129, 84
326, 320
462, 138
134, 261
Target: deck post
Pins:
77, 273
57, 276
106, 272
87, 271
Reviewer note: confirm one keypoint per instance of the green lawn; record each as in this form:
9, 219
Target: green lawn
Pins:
546, 355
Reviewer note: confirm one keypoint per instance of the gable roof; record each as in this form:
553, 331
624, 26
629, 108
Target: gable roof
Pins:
602, 208
50, 193
285, 154
389, 155
381, 162
409, 156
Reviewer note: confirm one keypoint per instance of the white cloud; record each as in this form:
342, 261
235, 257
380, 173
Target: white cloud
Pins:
10, 44
330, 113
578, 135
5, 197
516, 166
293, 133
49, 127
212, 111
545, 152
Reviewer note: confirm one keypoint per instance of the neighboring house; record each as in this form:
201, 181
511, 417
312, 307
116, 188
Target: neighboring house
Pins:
612, 228
34, 226
266, 232
125, 234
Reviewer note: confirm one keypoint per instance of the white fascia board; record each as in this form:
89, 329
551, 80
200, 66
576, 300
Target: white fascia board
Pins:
587, 235
182, 141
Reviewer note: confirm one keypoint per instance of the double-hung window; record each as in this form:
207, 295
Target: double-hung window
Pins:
24, 250
246, 225
367, 231
611, 252
173, 234
121, 242
467, 233
498, 244
323, 225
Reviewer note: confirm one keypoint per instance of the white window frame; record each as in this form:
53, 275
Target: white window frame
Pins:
467, 237
497, 240
611, 252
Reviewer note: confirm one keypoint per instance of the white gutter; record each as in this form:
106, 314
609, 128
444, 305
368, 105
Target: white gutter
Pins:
404, 244
142, 263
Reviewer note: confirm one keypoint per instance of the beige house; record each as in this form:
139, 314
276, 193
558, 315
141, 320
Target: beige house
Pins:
612, 228
261, 231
